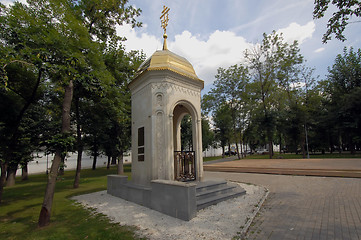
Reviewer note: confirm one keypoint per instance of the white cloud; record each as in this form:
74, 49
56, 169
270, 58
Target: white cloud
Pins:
221, 49
148, 43
318, 50
6, 2
294, 31
9, 2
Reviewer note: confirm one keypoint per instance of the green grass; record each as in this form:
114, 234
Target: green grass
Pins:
292, 156
300, 156
21, 206
206, 159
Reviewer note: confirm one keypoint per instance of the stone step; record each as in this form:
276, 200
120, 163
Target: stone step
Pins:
213, 192
209, 185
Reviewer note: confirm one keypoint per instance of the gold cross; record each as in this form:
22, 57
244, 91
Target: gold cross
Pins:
164, 18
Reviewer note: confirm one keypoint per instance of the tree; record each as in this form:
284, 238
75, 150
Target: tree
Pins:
186, 133
320, 129
229, 88
17, 144
70, 50
222, 118
275, 68
340, 19
296, 82
100, 19
64, 40
343, 88
207, 134
22, 73
122, 67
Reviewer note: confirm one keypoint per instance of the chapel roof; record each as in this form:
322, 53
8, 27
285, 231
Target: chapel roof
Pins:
167, 60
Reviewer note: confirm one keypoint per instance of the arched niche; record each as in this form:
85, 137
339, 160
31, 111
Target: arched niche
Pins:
191, 159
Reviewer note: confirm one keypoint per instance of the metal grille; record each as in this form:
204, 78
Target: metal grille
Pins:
184, 166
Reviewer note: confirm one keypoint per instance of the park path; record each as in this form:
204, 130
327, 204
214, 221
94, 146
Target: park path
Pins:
304, 207
337, 167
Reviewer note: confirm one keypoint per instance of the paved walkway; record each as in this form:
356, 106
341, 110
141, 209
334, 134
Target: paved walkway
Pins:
349, 167
300, 207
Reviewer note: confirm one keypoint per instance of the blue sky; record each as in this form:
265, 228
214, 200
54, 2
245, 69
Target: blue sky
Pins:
214, 33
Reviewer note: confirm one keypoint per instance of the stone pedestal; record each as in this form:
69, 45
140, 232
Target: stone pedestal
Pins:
176, 199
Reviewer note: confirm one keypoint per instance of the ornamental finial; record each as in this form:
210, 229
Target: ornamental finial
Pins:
164, 23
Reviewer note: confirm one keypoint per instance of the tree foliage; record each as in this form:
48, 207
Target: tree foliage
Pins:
281, 102
342, 90
67, 48
229, 89
273, 66
346, 9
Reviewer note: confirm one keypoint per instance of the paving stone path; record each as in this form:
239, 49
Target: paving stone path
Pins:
300, 207
337, 167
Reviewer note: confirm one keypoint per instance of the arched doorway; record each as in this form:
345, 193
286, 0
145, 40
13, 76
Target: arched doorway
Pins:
185, 167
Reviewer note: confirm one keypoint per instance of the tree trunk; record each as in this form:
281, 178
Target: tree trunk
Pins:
15, 135
242, 153
108, 164
4, 168
62, 166
2, 178
114, 160
331, 144
44, 217
120, 164
339, 142
280, 144
24, 172
223, 155
11, 174
78, 168
95, 161
79, 145
95, 153
270, 149
303, 148
303, 151
352, 146
237, 149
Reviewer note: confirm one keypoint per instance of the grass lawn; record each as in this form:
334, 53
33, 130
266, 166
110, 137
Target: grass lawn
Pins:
292, 156
21, 206
206, 159
300, 156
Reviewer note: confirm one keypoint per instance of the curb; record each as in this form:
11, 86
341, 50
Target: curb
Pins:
244, 230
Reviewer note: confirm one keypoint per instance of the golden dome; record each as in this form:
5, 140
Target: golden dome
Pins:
167, 60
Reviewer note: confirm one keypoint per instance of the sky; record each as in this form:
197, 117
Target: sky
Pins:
213, 33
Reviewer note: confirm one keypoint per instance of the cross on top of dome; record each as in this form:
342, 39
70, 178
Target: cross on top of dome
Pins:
164, 23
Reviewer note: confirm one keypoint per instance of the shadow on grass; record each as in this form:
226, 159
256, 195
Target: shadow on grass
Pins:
34, 188
21, 206
20, 210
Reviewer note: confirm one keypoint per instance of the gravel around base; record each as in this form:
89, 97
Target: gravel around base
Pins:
225, 220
